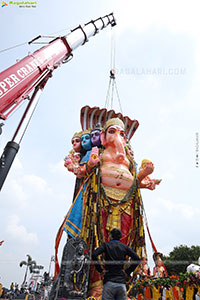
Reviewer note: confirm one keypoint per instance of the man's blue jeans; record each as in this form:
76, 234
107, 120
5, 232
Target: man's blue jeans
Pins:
114, 291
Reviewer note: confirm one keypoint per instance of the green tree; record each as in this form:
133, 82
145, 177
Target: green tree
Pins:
29, 266
180, 257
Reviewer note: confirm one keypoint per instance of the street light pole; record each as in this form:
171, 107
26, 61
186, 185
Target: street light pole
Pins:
52, 259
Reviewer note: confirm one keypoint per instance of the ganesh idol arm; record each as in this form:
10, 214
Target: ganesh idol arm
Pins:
94, 158
68, 164
147, 170
72, 161
144, 180
85, 169
144, 172
80, 171
148, 183
151, 183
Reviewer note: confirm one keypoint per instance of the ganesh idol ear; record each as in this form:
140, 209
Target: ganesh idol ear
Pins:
102, 137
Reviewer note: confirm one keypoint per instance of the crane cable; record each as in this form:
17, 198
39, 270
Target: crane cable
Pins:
28, 42
4, 50
112, 86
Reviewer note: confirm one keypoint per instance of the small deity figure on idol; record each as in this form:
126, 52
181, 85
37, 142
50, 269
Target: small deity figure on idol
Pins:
95, 136
76, 142
73, 158
86, 145
158, 270
83, 157
91, 156
145, 270
147, 182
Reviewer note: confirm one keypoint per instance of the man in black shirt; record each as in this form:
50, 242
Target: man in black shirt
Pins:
114, 275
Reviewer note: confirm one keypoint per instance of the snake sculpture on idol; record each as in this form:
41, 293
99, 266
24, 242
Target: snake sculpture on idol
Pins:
107, 190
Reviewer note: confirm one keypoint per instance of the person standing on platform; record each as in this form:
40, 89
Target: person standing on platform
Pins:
115, 252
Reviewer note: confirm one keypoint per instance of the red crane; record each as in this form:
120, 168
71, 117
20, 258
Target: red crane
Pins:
31, 74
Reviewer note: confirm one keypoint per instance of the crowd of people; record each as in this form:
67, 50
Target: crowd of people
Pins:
113, 273
39, 288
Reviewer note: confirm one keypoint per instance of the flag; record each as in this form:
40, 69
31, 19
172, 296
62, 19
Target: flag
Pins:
1, 243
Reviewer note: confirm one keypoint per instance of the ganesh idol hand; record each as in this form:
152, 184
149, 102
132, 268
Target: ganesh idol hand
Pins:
94, 157
146, 169
151, 185
77, 170
149, 168
68, 164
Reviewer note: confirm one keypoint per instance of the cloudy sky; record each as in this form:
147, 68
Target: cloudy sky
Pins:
157, 64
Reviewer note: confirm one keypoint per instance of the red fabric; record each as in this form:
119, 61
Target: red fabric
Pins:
104, 221
95, 277
125, 226
147, 293
58, 238
139, 297
154, 247
175, 292
152, 243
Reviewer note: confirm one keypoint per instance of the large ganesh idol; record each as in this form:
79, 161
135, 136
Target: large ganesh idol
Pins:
109, 186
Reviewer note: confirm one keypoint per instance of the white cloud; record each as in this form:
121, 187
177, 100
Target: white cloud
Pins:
168, 176
187, 211
58, 168
37, 183
21, 188
61, 174
13, 193
19, 232
18, 192
178, 16
17, 164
